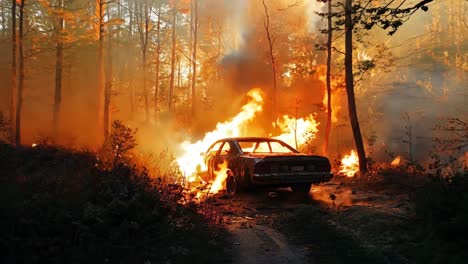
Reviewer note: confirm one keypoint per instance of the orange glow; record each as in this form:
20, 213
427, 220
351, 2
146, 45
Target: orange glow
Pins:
191, 159
220, 178
396, 161
350, 164
336, 108
337, 94
296, 132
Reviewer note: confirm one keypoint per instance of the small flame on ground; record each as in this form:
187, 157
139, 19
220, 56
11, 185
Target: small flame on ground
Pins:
34, 145
396, 161
350, 164
342, 197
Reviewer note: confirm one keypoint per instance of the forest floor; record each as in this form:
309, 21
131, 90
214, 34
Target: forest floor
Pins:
60, 206
276, 226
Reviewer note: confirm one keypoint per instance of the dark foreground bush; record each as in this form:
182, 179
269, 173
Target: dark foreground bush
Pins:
60, 207
441, 222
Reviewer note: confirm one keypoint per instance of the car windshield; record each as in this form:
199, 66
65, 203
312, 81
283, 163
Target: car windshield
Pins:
256, 146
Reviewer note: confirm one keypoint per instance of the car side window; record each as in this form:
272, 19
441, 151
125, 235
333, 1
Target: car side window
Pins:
262, 147
214, 150
226, 149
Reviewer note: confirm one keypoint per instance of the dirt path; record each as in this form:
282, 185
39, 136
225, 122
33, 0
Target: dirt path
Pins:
254, 240
250, 218
254, 243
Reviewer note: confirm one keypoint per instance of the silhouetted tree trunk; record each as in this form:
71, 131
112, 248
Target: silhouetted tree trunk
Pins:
353, 116
131, 86
143, 26
19, 104
218, 48
58, 67
273, 61
14, 95
194, 57
100, 6
158, 62
108, 85
132, 15
329, 92
173, 57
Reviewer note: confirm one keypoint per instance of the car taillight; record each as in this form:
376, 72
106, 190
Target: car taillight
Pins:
261, 168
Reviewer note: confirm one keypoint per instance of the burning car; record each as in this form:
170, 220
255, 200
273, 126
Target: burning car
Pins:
260, 161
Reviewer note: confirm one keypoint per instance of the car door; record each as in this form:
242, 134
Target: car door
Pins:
224, 154
211, 158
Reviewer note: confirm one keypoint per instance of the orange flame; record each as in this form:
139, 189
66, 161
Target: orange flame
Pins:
191, 159
350, 164
396, 161
296, 132
221, 175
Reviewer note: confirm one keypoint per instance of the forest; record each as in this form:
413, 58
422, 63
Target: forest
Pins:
173, 69
140, 88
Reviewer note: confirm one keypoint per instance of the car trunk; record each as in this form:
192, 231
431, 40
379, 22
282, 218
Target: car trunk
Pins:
292, 163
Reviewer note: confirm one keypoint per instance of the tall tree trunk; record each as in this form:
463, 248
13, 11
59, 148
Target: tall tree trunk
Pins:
143, 25
329, 92
19, 104
218, 52
14, 56
350, 87
194, 57
158, 58
101, 85
130, 67
58, 69
131, 86
145, 87
131, 14
108, 85
190, 64
173, 58
273, 62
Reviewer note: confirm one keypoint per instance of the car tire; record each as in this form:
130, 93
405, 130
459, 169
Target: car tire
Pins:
232, 186
303, 188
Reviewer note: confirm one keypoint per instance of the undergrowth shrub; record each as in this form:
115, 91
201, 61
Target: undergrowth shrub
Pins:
65, 207
441, 214
118, 146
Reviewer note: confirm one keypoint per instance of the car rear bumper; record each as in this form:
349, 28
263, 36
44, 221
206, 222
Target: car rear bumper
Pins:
291, 178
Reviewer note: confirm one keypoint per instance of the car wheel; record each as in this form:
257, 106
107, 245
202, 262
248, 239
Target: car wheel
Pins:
232, 186
303, 188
